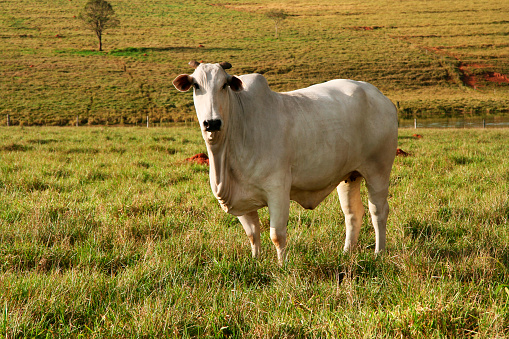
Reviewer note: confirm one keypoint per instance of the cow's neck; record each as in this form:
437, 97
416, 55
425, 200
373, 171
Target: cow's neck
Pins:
222, 150
219, 172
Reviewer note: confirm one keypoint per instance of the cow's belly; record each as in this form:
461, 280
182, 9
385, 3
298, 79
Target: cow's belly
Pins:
310, 199
311, 192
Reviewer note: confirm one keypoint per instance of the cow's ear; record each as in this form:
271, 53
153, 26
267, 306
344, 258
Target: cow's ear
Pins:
183, 82
235, 84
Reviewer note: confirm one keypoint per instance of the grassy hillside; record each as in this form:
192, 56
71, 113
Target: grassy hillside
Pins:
110, 233
433, 57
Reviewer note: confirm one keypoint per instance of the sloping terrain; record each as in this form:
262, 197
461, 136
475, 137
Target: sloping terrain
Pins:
432, 58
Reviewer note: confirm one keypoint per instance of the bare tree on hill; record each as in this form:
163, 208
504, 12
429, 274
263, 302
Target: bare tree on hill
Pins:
98, 15
278, 16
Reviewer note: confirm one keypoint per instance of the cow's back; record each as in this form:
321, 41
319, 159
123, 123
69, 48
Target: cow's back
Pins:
344, 112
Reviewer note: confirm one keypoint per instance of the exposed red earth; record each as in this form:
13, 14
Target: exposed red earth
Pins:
496, 77
473, 80
200, 158
401, 153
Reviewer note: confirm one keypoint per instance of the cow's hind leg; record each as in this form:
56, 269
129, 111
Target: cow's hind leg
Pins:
251, 224
350, 198
378, 191
279, 208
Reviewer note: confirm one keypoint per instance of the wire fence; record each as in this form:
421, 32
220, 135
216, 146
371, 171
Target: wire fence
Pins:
148, 121
462, 122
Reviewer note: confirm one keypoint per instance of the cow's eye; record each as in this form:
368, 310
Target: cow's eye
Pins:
196, 86
224, 86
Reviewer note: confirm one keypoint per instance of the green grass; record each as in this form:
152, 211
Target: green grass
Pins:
417, 53
108, 232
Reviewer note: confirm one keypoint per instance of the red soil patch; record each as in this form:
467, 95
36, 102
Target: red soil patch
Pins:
466, 78
496, 77
478, 65
472, 80
200, 158
401, 153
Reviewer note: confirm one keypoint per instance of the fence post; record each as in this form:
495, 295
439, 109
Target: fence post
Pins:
8, 120
147, 121
415, 123
77, 120
483, 123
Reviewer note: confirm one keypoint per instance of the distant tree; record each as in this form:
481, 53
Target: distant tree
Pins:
97, 16
278, 16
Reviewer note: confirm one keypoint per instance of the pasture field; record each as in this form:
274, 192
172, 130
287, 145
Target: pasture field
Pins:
436, 58
107, 232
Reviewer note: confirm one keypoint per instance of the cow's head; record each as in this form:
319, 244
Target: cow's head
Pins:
212, 90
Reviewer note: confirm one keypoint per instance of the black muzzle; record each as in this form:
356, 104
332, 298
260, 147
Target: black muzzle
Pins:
213, 125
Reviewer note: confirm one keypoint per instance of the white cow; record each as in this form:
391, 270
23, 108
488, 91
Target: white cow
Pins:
268, 148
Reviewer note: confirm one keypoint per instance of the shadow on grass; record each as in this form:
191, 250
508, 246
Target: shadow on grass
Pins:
13, 147
139, 51
129, 51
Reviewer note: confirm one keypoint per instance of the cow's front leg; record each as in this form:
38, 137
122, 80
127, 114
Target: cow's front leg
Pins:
279, 208
251, 224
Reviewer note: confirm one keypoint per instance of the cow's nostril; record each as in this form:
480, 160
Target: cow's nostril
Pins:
212, 125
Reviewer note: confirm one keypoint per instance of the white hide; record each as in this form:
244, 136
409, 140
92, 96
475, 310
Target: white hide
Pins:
299, 145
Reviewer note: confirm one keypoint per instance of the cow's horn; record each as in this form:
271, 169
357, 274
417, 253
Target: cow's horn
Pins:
226, 65
194, 64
